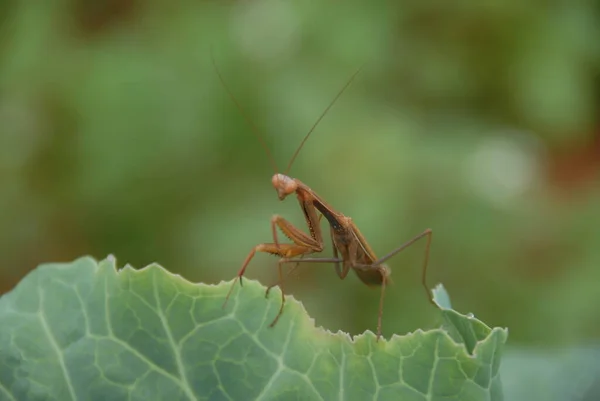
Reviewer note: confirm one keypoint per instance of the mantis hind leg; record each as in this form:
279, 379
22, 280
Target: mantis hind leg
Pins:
279, 282
385, 272
380, 313
427, 233
297, 262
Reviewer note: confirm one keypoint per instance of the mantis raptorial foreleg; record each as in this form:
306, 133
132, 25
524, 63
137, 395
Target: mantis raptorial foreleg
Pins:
303, 244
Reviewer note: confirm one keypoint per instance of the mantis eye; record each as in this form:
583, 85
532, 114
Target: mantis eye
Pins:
290, 185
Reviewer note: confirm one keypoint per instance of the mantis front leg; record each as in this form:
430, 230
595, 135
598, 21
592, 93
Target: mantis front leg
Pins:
335, 260
298, 261
303, 244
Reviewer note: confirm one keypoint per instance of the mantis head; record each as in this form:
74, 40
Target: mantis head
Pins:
284, 185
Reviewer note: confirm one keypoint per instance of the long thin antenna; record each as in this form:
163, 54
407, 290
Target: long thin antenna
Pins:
255, 129
346, 85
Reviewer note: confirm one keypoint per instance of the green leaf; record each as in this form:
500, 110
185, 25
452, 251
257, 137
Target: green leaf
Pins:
85, 331
441, 297
462, 328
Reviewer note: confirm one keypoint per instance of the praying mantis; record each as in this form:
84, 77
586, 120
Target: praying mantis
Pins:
351, 251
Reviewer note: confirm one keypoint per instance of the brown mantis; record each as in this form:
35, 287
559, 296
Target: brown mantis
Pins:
350, 248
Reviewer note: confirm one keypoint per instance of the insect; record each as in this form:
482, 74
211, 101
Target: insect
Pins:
350, 248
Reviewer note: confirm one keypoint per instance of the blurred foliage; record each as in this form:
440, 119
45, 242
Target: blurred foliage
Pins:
568, 374
478, 120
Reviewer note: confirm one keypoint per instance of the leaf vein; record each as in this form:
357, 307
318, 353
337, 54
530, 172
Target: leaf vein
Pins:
378, 386
56, 347
342, 368
8, 393
436, 360
106, 308
176, 351
279, 358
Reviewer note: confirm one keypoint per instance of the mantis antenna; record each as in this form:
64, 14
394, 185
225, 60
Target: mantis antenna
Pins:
346, 85
242, 111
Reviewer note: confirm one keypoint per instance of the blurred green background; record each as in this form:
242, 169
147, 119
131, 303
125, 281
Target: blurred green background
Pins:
478, 120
